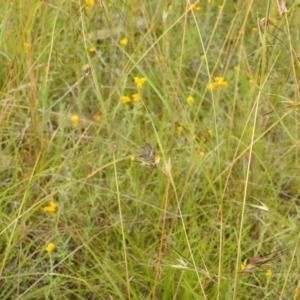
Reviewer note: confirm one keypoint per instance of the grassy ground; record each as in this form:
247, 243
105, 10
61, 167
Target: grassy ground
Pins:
84, 87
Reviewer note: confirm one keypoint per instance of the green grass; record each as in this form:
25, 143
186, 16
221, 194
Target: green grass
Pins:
226, 187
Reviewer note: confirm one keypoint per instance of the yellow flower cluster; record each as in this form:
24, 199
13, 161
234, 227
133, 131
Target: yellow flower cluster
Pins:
90, 2
139, 81
135, 97
126, 99
51, 207
218, 81
27, 47
96, 117
160, 58
195, 7
274, 21
75, 119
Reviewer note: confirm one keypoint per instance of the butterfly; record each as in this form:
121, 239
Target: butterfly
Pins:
148, 153
258, 261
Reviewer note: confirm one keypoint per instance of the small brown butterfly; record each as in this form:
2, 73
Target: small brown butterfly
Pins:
148, 153
258, 261
148, 156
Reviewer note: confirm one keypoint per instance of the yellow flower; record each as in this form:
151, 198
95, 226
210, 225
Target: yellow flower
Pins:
157, 159
170, 7
251, 81
208, 1
96, 117
125, 99
190, 100
220, 7
75, 119
160, 58
251, 129
90, 2
139, 81
132, 158
81, 37
179, 128
236, 68
110, 4
27, 47
195, 7
210, 132
92, 50
223, 83
243, 267
219, 81
202, 153
254, 29
51, 207
123, 42
269, 273
240, 32
210, 86
274, 21
50, 247
135, 97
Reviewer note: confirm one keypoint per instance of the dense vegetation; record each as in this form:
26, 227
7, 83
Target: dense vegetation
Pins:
212, 86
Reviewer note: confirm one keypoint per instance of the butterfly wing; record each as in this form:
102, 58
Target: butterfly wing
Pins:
148, 152
152, 154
